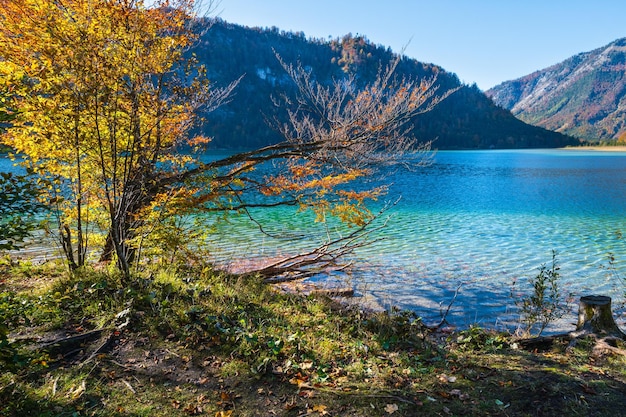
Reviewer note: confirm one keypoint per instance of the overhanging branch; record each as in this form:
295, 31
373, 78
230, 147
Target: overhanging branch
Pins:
328, 257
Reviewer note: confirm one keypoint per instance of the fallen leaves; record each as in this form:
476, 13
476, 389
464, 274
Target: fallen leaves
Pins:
302, 382
460, 395
226, 400
299, 379
199, 405
193, 409
391, 408
444, 379
321, 409
291, 404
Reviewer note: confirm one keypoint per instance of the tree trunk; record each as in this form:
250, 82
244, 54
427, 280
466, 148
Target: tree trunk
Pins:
595, 317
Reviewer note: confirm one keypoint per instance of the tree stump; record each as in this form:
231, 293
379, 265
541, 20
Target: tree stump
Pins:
595, 317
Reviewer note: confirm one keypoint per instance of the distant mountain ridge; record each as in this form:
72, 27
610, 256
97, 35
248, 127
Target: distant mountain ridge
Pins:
466, 120
583, 96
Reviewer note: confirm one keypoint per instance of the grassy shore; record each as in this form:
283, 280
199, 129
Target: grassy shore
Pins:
192, 342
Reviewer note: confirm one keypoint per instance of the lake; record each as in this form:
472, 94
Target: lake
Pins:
478, 221
475, 221
484, 219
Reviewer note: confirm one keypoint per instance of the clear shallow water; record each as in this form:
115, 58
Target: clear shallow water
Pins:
481, 220
478, 220
486, 218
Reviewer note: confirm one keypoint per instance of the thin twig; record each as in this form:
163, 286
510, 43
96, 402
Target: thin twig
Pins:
130, 387
444, 315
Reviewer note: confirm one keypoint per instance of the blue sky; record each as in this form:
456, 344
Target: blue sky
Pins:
482, 41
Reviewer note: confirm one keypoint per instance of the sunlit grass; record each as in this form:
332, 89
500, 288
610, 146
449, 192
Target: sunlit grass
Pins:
206, 343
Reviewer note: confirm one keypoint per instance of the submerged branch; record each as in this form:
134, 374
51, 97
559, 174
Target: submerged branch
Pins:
325, 258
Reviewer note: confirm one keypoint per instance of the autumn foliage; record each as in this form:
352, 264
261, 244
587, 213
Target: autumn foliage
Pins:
108, 97
105, 101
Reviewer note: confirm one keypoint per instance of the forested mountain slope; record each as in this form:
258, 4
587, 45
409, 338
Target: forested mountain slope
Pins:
466, 120
583, 96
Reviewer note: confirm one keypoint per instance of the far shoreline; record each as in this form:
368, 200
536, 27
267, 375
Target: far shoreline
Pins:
596, 148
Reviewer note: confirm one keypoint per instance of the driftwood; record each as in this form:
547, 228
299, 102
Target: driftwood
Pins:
77, 346
122, 319
67, 345
85, 343
595, 319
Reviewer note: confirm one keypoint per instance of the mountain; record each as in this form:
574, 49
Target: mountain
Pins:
467, 119
583, 96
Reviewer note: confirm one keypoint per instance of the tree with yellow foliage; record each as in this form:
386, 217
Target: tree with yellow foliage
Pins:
108, 98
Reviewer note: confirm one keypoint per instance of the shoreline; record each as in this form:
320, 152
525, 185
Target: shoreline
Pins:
596, 148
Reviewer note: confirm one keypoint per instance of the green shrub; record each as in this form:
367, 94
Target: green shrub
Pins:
545, 303
478, 339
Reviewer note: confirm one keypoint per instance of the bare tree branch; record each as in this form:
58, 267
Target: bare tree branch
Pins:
335, 135
326, 258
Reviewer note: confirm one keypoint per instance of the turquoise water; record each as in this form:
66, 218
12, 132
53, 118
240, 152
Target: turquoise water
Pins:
484, 219
475, 221
478, 221
6, 165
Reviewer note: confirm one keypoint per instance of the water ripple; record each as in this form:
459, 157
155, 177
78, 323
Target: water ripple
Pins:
482, 220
